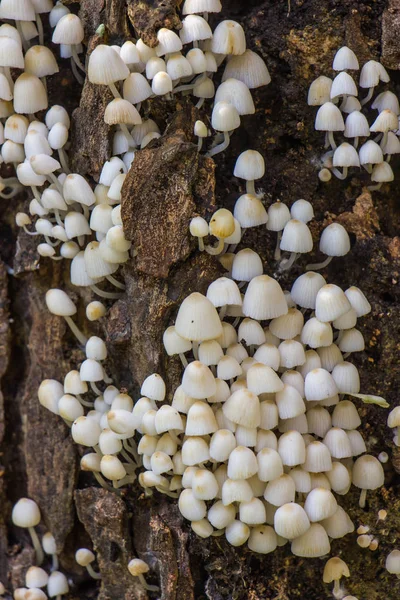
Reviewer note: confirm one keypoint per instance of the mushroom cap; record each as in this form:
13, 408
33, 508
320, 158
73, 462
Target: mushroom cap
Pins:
248, 68
237, 93
106, 66
334, 569
121, 111
59, 303
345, 58
368, 473
334, 240
197, 319
393, 562
225, 117
228, 38
313, 543
25, 513
69, 30
329, 118
394, 417
84, 557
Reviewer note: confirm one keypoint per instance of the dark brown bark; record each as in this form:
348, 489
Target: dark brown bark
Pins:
38, 458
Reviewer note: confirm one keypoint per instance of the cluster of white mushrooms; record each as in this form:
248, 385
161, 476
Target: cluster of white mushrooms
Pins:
341, 112
259, 440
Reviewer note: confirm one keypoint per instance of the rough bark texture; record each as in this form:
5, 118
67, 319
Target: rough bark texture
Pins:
297, 40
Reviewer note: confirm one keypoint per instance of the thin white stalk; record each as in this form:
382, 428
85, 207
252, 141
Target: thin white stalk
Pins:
76, 331
250, 187
76, 58
39, 25
320, 265
368, 96
114, 90
64, 160
76, 73
103, 294
115, 282
37, 545
92, 572
220, 147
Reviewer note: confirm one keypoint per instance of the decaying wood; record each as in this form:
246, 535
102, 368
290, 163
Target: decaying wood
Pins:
168, 184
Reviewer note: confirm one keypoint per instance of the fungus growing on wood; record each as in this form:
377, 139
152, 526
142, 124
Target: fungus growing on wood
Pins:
26, 514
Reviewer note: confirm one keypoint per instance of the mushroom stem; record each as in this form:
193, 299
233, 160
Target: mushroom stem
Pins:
75, 71
37, 545
92, 572
103, 294
200, 103
199, 144
336, 588
355, 143
64, 160
375, 187
363, 498
54, 560
76, 58
384, 139
236, 322
368, 96
286, 263
84, 402
183, 360
250, 187
30, 232
58, 218
76, 331
25, 43
167, 492
115, 282
338, 174
53, 244
125, 481
14, 192
175, 437
331, 140
277, 253
215, 250
150, 588
36, 194
39, 25
126, 133
195, 348
7, 73
114, 90
321, 265
220, 147
222, 312
200, 240
53, 179
128, 458
132, 450
95, 389
107, 379
398, 436
102, 482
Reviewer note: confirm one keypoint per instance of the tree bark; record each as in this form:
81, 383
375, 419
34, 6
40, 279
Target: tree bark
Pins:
169, 183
